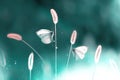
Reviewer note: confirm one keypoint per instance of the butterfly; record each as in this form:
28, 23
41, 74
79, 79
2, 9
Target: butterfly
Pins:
80, 52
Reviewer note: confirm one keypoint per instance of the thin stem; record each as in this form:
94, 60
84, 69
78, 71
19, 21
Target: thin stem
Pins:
30, 74
69, 56
55, 53
34, 50
93, 76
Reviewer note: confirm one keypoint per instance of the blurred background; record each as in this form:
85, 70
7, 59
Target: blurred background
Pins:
96, 22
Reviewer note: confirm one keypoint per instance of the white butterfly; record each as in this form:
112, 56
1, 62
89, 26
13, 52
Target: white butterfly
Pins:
45, 35
80, 52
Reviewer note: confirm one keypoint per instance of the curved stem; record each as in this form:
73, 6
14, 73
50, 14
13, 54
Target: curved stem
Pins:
69, 56
34, 50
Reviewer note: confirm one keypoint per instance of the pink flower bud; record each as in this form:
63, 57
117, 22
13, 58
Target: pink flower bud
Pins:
54, 16
97, 53
14, 36
73, 37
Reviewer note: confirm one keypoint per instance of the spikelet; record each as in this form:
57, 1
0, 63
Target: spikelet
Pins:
14, 36
30, 61
54, 16
73, 37
97, 53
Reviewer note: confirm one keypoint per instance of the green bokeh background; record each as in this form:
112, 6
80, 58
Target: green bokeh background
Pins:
97, 18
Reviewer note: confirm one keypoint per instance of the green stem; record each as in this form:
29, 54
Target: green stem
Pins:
69, 56
55, 53
34, 50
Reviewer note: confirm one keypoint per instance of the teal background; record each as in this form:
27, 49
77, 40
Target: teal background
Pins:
98, 19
